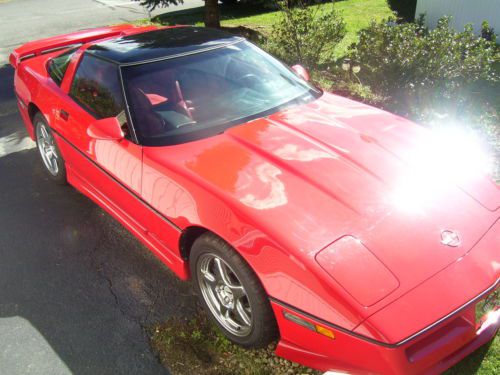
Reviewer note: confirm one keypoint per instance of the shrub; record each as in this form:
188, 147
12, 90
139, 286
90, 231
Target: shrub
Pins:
405, 9
429, 75
487, 32
306, 35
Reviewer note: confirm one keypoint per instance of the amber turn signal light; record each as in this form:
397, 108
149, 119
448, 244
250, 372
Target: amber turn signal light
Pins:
313, 327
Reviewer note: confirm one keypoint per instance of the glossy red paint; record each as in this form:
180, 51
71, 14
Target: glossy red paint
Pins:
106, 129
304, 195
47, 45
432, 353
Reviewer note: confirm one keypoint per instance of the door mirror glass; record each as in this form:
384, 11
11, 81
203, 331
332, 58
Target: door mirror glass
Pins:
106, 128
301, 72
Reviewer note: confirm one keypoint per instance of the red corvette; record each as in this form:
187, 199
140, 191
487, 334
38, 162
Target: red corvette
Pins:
365, 243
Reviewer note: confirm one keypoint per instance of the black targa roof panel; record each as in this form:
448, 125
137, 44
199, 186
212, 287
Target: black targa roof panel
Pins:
158, 44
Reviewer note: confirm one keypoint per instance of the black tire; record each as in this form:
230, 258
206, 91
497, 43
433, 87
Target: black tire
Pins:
263, 328
58, 176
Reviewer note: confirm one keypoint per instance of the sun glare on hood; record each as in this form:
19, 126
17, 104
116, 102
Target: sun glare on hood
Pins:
447, 156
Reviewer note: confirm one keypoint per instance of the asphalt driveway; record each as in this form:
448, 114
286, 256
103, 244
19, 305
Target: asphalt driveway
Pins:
25, 20
77, 291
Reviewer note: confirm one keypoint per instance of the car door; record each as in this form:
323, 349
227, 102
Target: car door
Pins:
109, 170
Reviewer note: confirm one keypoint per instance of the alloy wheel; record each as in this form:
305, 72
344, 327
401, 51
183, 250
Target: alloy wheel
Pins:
224, 294
47, 148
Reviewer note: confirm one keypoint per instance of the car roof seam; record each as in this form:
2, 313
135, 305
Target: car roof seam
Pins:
179, 55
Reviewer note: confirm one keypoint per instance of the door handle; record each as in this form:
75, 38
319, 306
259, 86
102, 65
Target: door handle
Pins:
64, 115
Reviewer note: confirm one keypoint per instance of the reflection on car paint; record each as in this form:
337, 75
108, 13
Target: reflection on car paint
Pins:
293, 152
268, 175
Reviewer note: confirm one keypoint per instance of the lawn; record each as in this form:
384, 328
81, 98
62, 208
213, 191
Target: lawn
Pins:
357, 15
485, 361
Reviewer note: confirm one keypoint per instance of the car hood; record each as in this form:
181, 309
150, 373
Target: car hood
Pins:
334, 167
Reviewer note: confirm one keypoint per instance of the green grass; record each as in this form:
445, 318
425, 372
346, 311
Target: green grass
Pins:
230, 16
484, 361
357, 13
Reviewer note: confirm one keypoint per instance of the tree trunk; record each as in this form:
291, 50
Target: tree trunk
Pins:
212, 15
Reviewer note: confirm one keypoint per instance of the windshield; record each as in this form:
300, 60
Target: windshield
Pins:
186, 98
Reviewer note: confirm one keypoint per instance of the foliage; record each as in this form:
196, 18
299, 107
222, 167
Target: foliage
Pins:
405, 9
306, 35
345, 84
212, 13
487, 32
432, 75
153, 4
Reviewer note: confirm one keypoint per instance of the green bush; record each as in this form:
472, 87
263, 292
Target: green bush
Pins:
487, 32
405, 9
306, 35
432, 75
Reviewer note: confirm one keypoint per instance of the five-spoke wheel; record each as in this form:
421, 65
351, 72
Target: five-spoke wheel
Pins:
231, 292
224, 294
47, 147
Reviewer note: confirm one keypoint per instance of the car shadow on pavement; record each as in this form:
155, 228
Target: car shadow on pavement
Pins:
77, 291
12, 137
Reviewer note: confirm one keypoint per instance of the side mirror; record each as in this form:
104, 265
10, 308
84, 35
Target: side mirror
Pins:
106, 128
301, 72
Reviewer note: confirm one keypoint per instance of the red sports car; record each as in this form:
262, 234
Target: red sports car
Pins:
364, 242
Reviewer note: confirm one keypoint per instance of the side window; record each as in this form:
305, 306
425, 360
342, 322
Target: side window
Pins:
96, 87
58, 65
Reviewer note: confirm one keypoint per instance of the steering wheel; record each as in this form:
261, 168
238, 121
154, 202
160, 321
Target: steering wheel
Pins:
247, 78
184, 104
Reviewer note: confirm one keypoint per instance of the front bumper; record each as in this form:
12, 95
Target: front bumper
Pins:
430, 353
427, 330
